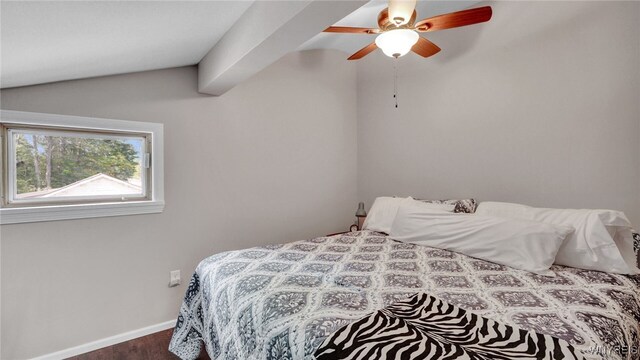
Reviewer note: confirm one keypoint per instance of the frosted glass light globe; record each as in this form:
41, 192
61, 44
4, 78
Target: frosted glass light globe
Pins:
398, 42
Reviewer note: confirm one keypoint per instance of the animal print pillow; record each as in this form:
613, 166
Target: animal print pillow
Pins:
461, 206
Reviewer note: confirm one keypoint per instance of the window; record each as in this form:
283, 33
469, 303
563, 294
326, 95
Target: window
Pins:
54, 166
63, 167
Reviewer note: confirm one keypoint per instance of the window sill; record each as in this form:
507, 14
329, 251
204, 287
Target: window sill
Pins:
80, 211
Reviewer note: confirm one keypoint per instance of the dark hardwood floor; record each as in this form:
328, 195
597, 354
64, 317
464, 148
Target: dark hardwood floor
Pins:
152, 346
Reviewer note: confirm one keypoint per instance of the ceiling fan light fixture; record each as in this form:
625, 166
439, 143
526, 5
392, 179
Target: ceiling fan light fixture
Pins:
398, 42
400, 11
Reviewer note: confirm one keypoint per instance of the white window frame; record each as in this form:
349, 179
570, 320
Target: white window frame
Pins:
25, 213
12, 201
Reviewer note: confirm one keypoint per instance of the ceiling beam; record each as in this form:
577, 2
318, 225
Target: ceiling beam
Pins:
263, 34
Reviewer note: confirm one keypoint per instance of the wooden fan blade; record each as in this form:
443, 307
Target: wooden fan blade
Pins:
363, 52
455, 19
425, 48
383, 19
350, 30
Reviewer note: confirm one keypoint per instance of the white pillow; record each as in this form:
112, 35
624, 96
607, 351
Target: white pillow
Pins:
384, 209
521, 244
602, 240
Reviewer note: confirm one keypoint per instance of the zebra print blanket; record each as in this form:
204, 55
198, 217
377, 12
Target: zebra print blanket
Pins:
425, 327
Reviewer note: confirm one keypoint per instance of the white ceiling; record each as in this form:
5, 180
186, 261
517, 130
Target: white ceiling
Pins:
47, 41
62, 40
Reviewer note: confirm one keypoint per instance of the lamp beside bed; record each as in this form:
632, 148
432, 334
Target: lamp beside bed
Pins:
361, 215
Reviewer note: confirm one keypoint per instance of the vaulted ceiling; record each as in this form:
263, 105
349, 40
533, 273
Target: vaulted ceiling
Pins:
42, 41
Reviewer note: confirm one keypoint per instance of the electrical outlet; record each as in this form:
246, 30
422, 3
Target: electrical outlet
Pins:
174, 278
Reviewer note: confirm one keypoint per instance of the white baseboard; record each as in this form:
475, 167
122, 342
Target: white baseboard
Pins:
112, 340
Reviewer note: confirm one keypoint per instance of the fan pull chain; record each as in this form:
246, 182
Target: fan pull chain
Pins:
395, 81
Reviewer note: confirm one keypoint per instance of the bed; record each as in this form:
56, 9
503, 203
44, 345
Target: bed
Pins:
282, 301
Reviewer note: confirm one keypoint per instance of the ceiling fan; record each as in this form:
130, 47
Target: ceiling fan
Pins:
398, 30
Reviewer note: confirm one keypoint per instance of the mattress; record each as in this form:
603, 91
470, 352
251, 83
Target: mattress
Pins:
282, 301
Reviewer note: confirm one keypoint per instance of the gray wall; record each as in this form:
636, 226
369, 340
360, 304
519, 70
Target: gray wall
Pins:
273, 160
539, 106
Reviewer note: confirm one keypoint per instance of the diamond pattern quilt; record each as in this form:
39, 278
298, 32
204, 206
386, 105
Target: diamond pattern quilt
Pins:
282, 301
